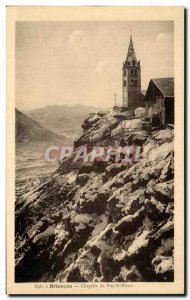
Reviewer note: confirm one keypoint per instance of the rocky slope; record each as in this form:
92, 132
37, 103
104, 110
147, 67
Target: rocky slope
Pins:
101, 221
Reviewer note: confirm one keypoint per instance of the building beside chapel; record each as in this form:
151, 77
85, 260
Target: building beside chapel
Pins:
159, 101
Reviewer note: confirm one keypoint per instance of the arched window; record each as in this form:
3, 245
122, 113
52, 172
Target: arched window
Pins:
132, 72
124, 72
124, 82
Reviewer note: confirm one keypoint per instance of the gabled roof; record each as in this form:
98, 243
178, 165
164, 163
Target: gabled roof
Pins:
165, 85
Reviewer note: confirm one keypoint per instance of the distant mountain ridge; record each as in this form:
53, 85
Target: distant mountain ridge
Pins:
62, 119
29, 130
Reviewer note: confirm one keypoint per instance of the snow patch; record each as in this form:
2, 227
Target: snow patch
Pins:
139, 242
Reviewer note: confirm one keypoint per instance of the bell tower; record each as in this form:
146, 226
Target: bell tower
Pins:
131, 78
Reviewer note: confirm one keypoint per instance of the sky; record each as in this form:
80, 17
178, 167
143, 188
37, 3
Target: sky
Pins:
69, 63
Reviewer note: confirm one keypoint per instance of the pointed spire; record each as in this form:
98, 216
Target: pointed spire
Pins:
131, 59
131, 56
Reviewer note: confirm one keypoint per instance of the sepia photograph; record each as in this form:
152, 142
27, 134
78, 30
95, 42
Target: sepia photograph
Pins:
95, 127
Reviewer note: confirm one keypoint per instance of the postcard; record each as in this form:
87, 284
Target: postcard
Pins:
95, 150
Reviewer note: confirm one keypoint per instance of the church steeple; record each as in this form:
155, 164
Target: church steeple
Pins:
131, 75
131, 56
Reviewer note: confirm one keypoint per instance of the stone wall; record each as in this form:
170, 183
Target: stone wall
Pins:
154, 107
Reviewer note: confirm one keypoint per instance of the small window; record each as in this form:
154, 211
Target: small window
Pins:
135, 82
124, 72
135, 72
132, 82
131, 72
124, 82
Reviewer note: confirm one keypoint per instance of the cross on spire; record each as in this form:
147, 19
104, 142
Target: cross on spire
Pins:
130, 31
115, 97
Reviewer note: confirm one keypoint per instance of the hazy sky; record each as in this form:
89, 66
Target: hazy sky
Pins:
81, 62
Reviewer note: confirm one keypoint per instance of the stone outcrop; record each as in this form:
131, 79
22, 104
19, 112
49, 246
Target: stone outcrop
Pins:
101, 222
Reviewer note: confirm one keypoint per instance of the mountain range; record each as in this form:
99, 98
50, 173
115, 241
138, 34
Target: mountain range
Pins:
31, 131
62, 119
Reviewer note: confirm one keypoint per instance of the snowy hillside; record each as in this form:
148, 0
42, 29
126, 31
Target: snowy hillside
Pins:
102, 222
